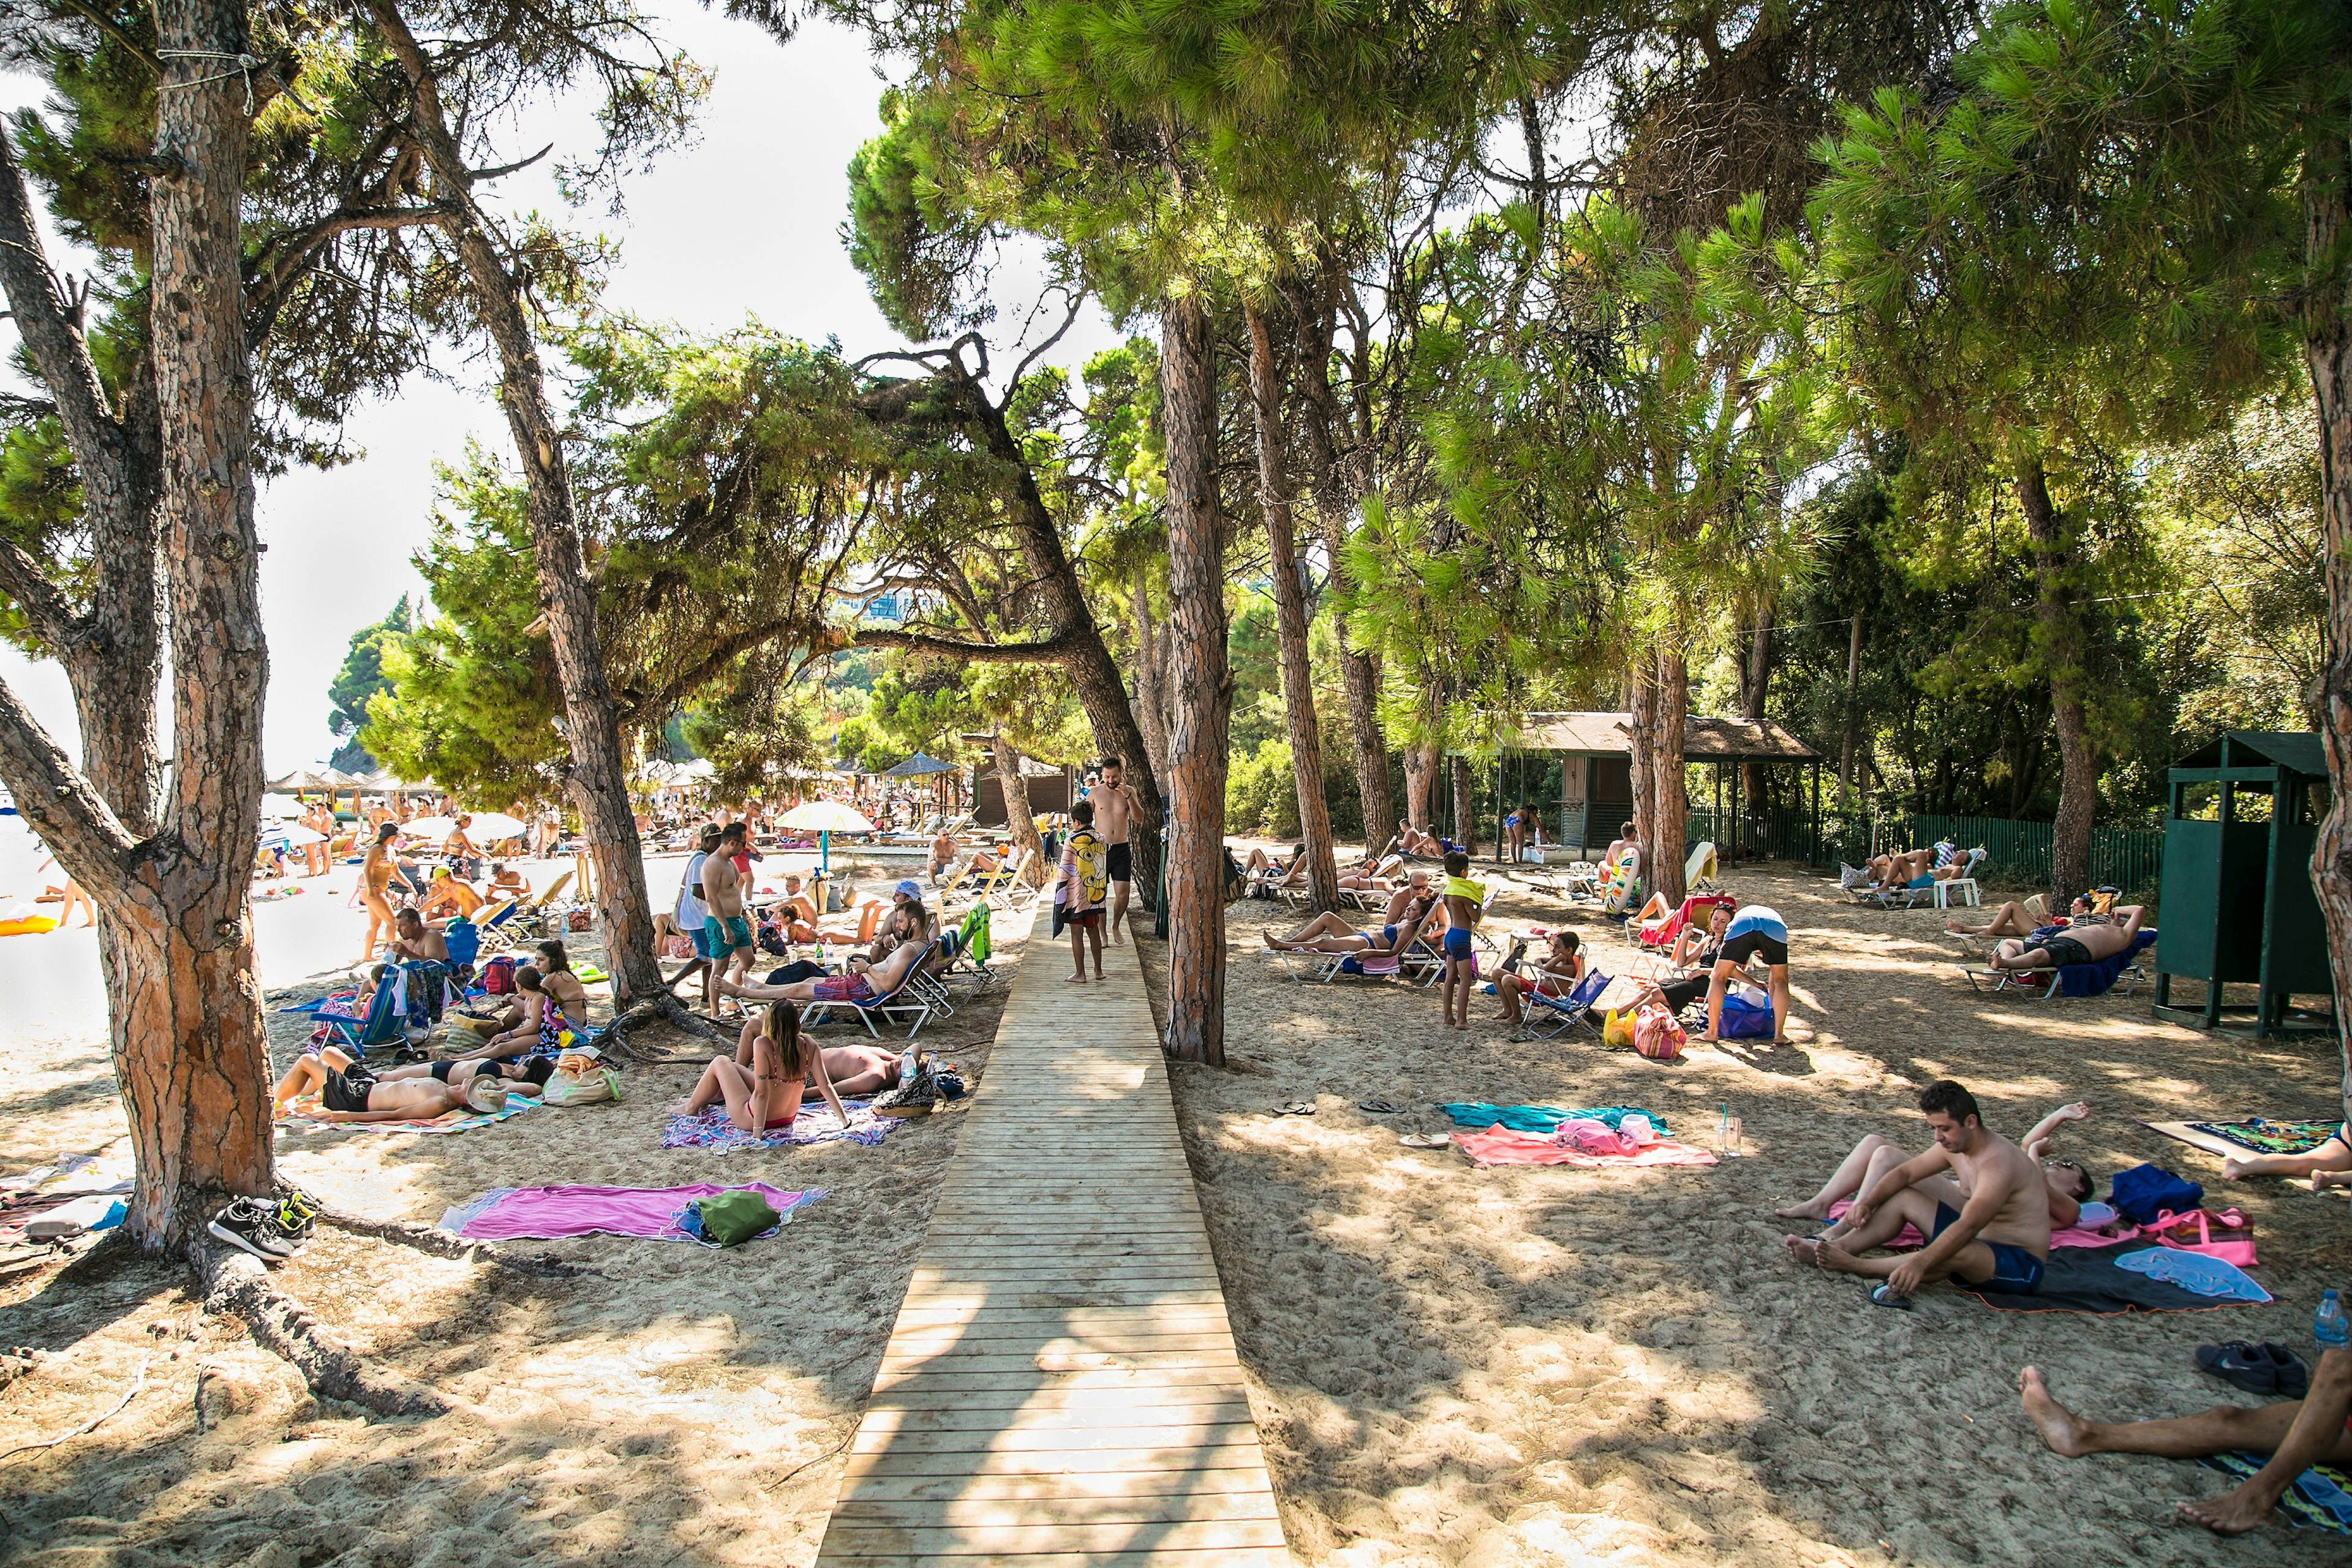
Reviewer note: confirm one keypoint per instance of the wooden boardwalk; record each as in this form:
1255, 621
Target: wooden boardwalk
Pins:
1061, 1385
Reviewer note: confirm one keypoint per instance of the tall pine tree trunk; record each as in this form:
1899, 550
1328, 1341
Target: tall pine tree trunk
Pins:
1290, 619
1420, 781
1018, 817
2327, 350
600, 775
1465, 805
1200, 731
1755, 682
1658, 688
1853, 726
2059, 632
1359, 669
1151, 707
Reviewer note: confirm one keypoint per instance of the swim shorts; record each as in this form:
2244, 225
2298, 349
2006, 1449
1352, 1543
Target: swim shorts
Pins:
702, 935
1458, 942
2064, 950
727, 933
2015, 1271
1120, 860
441, 1071
1920, 882
1085, 920
844, 988
347, 1089
1756, 930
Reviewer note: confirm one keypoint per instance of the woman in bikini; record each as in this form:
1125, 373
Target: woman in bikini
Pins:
378, 872
1329, 934
765, 1096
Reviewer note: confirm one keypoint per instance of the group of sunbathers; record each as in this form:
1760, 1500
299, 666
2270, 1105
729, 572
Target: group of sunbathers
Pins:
1912, 870
1986, 1208
2084, 934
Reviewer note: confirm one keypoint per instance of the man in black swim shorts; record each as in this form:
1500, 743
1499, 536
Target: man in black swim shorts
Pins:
2084, 941
1998, 1240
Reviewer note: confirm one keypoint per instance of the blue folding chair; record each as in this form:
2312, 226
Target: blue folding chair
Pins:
1566, 1013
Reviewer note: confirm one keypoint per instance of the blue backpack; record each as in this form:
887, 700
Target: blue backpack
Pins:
2146, 1193
465, 942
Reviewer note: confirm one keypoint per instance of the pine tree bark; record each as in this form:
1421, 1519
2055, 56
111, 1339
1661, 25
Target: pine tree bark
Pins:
1420, 779
1466, 805
1755, 682
599, 776
1658, 688
1852, 716
1290, 618
1359, 669
1200, 731
2327, 351
1150, 708
2059, 632
1018, 817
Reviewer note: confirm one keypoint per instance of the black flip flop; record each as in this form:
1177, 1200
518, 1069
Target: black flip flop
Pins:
1379, 1107
1880, 1296
2241, 1364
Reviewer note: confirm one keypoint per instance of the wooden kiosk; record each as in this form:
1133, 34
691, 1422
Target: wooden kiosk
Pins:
2238, 909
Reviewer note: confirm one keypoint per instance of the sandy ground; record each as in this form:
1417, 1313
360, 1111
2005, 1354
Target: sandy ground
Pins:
1514, 1366
677, 1405
1539, 1365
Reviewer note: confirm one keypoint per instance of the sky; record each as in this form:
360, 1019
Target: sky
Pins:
743, 223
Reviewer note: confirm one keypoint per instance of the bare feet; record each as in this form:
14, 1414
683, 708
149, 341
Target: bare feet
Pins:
2232, 1171
1830, 1255
1075, 979
1811, 1208
1704, 1040
1803, 1248
2323, 1180
2247, 1508
2060, 1428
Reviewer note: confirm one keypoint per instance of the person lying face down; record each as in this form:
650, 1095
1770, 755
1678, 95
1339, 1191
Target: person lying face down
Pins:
1999, 1239
524, 1077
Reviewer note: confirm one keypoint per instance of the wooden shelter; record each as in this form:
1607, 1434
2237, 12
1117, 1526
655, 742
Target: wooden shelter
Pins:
2242, 815
1594, 753
1051, 790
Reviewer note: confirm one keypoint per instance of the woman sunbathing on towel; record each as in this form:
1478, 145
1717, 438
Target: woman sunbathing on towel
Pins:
2329, 1165
1554, 974
858, 985
2070, 1185
764, 1095
1329, 934
348, 1092
528, 1078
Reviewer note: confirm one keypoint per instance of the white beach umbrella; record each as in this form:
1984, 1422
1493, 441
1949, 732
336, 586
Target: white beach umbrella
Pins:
828, 817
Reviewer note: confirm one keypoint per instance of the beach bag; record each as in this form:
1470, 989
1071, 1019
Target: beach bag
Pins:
2146, 1193
592, 1087
465, 939
497, 976
2237, 1250
1617, 1029
1657, 1035
1746, 1014
733, 1217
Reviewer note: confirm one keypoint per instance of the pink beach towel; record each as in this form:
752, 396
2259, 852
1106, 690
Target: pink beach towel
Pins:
1909, 1237
1501, 1146
547, 1213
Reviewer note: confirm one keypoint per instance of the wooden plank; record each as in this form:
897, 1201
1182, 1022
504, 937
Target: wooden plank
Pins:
1061, 1385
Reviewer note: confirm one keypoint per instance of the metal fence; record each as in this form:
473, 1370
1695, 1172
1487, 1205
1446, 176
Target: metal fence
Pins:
2131, 858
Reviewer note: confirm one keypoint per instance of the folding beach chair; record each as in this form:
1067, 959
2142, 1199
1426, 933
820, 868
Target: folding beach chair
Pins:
1701, 872
1661, 938
1018, 896
1566, 1013
907, 1001
2069, 979
968, 947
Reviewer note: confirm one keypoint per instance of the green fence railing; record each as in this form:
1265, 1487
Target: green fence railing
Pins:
2131, 858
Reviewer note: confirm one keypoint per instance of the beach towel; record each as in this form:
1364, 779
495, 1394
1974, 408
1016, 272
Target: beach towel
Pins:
2195, 1272
1544, 1117
296, 1121
815, 1124
549, 1214
1502, 1146
2255, 1135
1909, 1238
2081, 1281
2321, 1497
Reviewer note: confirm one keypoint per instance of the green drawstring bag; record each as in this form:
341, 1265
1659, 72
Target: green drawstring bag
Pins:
732, 1218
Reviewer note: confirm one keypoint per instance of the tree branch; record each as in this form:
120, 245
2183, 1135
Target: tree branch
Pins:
77, 826
272, 273
23, 579
1053, 650
59, 352
479, 176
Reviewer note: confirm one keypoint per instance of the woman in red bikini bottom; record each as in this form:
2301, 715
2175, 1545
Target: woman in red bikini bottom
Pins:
763, 1082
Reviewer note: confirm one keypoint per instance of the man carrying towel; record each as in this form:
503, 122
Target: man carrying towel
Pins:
1998, 1240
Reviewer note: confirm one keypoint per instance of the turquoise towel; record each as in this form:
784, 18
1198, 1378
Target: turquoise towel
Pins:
2194, 1271
1544, 1117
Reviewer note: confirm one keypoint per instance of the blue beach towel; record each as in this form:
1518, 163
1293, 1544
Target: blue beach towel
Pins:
2195, 1272
1544, 1117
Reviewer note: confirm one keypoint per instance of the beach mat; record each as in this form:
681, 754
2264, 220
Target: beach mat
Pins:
2253, 1135
550, 1214
2080, 1281
2320, 1499
294, 1121
1501, 1146
815, 1124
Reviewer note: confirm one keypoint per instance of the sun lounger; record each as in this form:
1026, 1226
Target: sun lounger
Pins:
907, 1001
1661, 938
2069, 979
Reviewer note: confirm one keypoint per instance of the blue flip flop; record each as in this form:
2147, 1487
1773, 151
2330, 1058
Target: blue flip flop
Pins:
1881, 1296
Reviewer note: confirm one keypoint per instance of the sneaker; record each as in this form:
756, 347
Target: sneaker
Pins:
250, 1225
297, 1216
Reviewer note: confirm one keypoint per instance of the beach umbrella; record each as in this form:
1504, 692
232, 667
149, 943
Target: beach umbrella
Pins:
918, 767
489, 827
280, 805
428, 828
827, 817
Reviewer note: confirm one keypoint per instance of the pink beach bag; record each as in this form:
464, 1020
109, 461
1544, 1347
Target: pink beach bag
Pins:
2234, 1249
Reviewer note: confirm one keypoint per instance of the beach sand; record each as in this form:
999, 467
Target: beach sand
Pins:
1540, 1365
1449, 1365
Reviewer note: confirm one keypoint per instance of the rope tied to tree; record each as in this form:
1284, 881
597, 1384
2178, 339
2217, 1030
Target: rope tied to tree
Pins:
245, 67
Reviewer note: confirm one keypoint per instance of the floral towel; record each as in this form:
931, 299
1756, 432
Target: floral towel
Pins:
2321, 1496
295, 1120
815, 1124
2261, 1135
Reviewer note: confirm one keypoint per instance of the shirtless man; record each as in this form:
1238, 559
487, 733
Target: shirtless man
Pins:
1998, 1240
1328, 932
2070, 1185
726, 930
943, 857
1114, 821
859, 985
448, 895
415, 942
2296, 1433
2081, 943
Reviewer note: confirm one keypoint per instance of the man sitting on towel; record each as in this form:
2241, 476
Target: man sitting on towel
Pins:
2296, 1433
2082, 942
1999, 1238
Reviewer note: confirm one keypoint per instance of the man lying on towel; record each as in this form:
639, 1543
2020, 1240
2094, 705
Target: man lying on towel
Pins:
2296, 1433
2080, 944
1998, 1240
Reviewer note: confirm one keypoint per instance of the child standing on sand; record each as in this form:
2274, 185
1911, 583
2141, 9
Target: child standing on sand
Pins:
1465, 901
1086, 883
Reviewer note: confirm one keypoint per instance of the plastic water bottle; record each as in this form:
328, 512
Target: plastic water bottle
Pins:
2328, 1325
